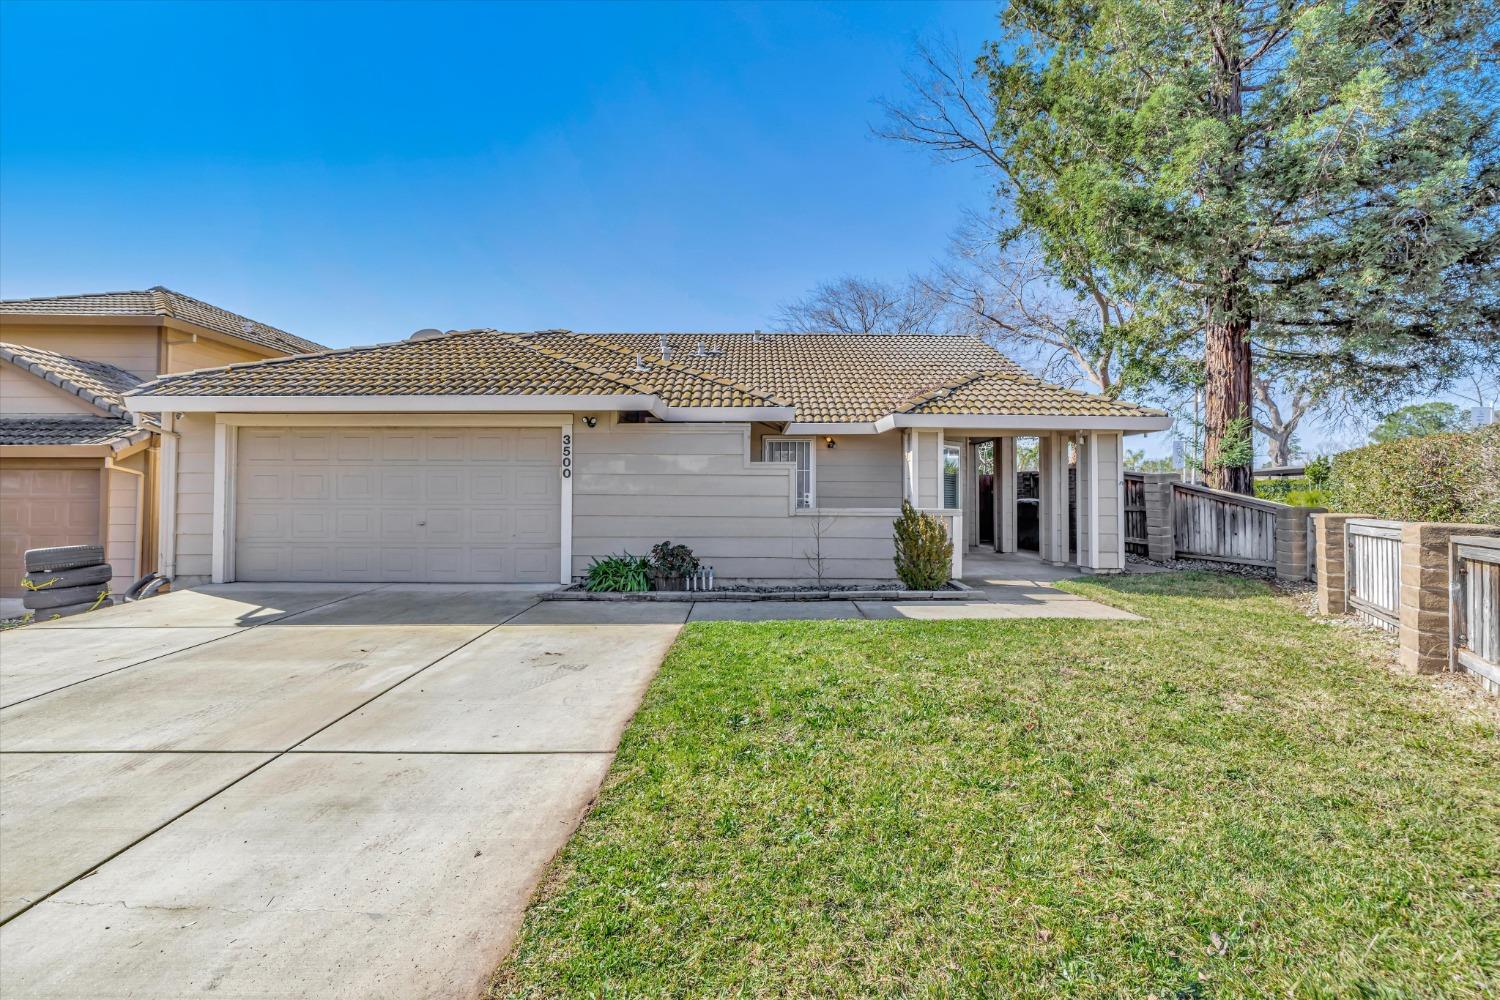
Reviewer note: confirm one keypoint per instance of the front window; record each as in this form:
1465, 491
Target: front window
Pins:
798, 451
950, 475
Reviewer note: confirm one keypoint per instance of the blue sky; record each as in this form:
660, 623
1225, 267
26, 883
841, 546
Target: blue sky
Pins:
354, 172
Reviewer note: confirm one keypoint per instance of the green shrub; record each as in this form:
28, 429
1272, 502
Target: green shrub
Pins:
1440, 477
626, 573
924, 555
1299, 491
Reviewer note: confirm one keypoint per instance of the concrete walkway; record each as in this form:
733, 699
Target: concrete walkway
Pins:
298, 790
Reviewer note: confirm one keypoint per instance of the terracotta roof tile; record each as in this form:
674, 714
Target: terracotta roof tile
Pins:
1012, 393
826, 378
160, 301
470, 363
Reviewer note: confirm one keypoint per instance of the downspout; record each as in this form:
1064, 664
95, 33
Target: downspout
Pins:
140, 507
166, 514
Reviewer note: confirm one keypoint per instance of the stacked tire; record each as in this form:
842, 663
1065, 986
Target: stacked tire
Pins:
66, 580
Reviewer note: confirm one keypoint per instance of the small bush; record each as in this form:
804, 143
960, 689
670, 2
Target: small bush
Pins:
1440, 477
923, 553
673, 560
623, 573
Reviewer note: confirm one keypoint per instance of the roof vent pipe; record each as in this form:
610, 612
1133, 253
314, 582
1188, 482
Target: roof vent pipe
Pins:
640, 364
664, 348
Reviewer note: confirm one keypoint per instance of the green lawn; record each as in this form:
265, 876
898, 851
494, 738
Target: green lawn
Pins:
1227, 800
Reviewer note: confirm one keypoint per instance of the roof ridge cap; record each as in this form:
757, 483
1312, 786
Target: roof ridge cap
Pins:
678, 366
621, 378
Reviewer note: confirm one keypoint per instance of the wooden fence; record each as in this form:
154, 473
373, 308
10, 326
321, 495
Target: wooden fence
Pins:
1135, 515
1474, 610
1372, 570
1214, 524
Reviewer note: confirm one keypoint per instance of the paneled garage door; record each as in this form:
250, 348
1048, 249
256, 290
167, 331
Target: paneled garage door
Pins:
428, 505
42, 506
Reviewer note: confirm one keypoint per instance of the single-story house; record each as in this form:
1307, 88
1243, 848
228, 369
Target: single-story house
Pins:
75, 467
484, 456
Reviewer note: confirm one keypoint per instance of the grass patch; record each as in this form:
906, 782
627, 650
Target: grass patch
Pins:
1227, 800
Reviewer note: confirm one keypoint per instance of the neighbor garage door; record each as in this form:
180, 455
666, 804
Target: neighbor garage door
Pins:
42, 506
431, 505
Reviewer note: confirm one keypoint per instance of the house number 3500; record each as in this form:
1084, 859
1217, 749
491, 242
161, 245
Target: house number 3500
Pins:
567, 456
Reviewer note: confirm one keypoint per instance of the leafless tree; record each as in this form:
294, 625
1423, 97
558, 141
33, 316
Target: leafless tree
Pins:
1012, 291
863, 305
814, 556
1279, 409
1480, 385
1010, 296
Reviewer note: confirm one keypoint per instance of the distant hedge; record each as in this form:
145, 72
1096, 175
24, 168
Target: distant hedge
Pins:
1441, 477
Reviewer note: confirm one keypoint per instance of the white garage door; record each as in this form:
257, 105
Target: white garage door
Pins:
429, 505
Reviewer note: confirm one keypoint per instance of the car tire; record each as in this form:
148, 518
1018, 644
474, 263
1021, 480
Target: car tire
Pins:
68, 611
83, 576
61, 597
63, 557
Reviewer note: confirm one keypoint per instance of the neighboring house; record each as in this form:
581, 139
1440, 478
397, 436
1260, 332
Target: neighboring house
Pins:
481, 456
75, 466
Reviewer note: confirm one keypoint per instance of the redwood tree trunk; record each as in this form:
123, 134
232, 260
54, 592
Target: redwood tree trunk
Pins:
1226, 398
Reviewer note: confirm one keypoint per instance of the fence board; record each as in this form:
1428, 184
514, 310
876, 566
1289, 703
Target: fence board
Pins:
1373, 571
1213, 524
1475, 629
1135, 515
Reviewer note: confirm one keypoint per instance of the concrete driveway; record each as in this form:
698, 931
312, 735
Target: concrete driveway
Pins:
313, 791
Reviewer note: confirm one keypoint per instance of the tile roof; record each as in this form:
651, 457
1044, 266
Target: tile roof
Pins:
829, 377
81, 430
474, 362
159, 301
1012, 393
94, 382
826, 378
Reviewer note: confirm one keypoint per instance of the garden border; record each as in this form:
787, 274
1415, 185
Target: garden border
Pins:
959, 592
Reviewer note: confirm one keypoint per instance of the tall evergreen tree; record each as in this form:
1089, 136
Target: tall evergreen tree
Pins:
1316, 179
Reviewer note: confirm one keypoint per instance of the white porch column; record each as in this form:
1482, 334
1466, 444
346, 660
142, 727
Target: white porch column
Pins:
1101, 503
1088, 502
1052, 527
1005, 494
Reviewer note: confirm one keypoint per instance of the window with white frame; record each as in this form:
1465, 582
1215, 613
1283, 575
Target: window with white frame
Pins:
798, 451
951, 456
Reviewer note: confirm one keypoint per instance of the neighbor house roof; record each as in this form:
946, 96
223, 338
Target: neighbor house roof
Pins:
116, 432
95, 382
164, 302
813, 379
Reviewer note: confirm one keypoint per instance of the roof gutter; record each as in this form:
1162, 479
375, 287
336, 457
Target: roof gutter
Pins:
1033, 421
384, 404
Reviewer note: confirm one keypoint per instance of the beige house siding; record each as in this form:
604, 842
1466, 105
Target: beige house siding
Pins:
122, 543
133, 348
185, 355
22, 392
638, 484
929, 461
862, 470
195, 497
